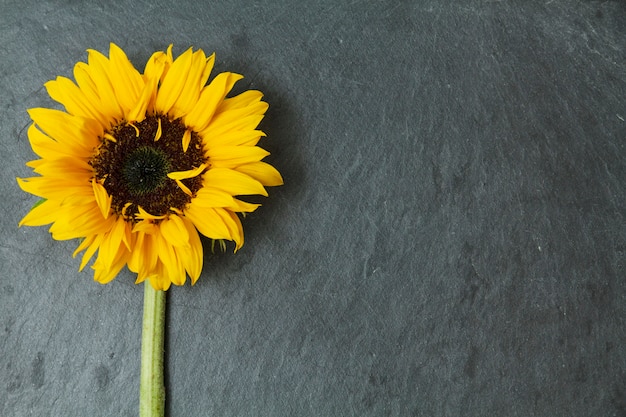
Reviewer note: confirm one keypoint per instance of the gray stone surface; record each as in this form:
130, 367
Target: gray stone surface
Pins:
450, 239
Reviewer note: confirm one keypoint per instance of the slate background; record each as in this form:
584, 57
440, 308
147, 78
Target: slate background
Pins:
450, 239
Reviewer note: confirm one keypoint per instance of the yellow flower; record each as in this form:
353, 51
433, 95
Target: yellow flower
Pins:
138, 164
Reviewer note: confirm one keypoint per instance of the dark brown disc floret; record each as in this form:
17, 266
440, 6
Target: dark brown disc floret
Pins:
133, 166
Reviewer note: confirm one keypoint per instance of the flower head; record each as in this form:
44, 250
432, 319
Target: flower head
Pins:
138, 164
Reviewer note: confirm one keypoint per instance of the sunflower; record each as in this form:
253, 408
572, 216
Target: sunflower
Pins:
138, 164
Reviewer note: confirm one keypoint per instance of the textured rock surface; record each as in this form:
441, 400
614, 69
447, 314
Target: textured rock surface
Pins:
450, 239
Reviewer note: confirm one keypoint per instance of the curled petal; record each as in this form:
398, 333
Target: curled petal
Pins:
184, 188
144, 215
186, 140
183, 175
103, 199
159, 131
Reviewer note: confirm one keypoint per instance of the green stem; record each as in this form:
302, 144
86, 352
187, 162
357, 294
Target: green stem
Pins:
152, 387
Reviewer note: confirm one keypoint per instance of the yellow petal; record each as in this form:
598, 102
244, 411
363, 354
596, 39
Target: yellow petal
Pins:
103, 272
242, 206
208, 67
65, 190
169, 259
87, 86
112, 242
239, 101
103, 199
232, 138
170, 59
62, 167
109, 137
159, 280
145, 226
263, 172
155, 66
210, 97
191, 257
138, 112
68, 130
112, 255
218, 127
234, 226
99, 71
126, 80
84, 244
30, 185
93, 243
186, 140
173, 82
159, 131
190, 91
208, 222
77, 221
233, 115
43, 145
75, 101
183, 175
174, 231
184, 188
233, 156
155, 69
210, 197
44, 213
136, 255
144, 215
233, 182
145, 257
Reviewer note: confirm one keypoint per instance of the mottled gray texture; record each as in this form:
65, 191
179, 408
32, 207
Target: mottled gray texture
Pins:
450, 239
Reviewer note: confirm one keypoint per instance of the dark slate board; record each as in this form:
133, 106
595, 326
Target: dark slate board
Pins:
450, 239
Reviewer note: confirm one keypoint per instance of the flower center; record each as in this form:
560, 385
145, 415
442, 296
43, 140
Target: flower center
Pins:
145, 170
133, 160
